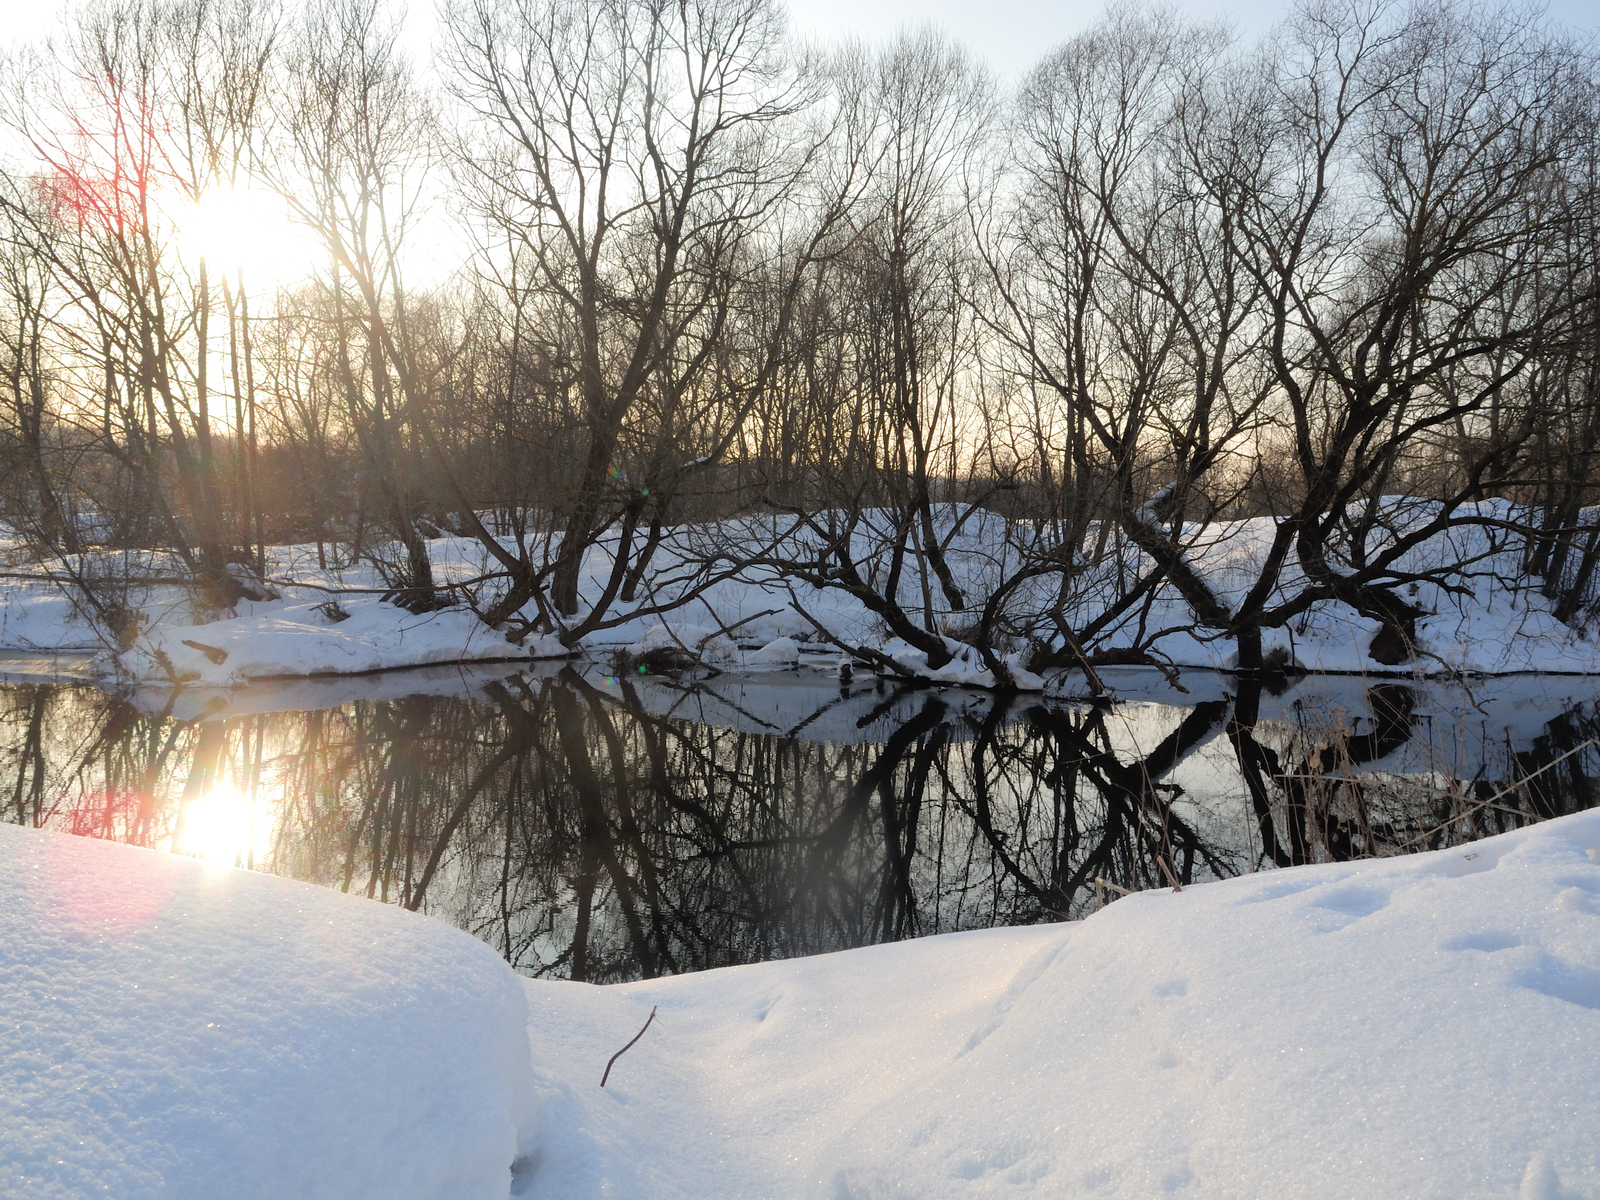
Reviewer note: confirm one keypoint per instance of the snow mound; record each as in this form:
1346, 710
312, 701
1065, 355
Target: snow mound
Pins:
1419, 1027
182, 1031
35, 616
779, 651
965, 669
301, 639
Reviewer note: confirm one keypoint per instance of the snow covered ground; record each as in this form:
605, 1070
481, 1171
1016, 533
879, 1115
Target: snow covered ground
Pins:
286, 639
1485, 619
184, 1032
1417, 1027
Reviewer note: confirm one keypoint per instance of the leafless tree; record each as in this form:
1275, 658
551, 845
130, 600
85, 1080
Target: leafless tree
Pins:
633, 151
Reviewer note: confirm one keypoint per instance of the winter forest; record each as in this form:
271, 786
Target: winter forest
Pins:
1180, 342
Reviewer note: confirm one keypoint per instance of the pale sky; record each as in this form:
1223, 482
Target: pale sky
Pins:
1010, 35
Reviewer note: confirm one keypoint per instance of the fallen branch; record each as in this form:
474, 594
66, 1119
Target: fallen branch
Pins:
727, 630
628, 1047
214, 653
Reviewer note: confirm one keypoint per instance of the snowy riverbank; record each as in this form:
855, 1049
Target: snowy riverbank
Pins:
1478, 614
1418, 1027
1415, 1027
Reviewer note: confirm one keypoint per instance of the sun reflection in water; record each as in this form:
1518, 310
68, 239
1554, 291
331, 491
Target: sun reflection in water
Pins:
218, 826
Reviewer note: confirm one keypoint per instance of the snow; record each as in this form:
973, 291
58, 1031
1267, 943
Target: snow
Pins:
781, 651
966, 667
1485, 618
300, 639
1479, 614
1421, 1027
40, 616
182, 1031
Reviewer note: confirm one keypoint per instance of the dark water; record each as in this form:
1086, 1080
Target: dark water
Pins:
600, 828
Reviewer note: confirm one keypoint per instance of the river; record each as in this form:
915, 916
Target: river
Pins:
603, 828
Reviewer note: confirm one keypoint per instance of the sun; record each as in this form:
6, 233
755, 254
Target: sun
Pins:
244, 230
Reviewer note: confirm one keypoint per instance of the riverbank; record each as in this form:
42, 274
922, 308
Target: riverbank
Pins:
1477, 614
1422, 1027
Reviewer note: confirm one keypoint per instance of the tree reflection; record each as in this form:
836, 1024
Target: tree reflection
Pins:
586, 835
1319, 795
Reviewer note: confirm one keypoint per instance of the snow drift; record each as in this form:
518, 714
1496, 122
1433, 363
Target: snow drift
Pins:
302, 639
181, 1031
1416, 1027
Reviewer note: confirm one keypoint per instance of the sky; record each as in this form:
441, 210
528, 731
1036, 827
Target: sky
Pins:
1010, 35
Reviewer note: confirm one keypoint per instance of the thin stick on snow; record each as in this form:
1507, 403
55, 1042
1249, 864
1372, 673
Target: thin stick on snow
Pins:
1101, 883
727, 630
628, 1047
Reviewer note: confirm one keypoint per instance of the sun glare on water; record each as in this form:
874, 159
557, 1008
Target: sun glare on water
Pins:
218, 826
248, 230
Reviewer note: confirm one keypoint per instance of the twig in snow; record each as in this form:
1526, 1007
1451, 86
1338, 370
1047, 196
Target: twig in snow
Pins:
628, 1047
727, 630
1100, 883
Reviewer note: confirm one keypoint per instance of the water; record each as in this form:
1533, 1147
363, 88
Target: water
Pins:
598, 828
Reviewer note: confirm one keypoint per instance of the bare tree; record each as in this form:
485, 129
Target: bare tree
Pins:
125, 120
353, 166
1403, 222
634, 151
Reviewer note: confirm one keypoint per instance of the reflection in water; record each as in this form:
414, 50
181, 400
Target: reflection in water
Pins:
604, 829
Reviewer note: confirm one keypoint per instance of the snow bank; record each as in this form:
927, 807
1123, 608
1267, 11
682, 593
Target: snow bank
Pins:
301, 639
783, 651
41, 616
1481, 616
1417, 1027
177, 1030
1484, 616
